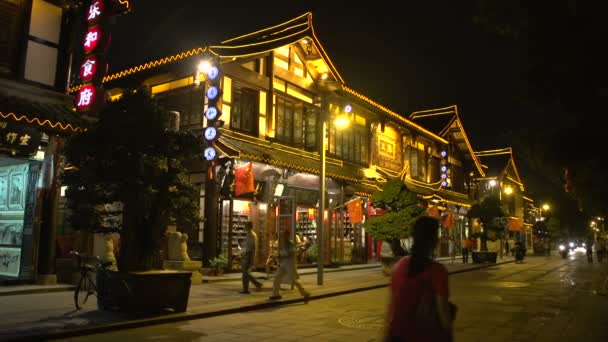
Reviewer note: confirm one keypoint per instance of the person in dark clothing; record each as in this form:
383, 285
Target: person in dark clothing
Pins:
519, 252
466, 247
589, 250
419, 287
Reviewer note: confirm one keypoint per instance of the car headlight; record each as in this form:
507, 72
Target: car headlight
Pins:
572, 244
562, 247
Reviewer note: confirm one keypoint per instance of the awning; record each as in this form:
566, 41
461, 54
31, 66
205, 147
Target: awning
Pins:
54, 117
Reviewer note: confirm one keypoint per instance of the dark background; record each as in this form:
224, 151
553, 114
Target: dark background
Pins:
412, 56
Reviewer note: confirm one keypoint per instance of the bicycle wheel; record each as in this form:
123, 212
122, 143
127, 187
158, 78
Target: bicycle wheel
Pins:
83, 291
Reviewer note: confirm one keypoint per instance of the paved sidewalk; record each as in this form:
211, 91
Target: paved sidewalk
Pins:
28, 313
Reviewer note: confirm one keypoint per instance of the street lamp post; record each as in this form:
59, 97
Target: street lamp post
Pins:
322, 189
341, 121
544, 207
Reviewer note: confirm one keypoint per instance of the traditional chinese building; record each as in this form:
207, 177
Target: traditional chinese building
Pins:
451, 170
35, 117
502, 180
279, 89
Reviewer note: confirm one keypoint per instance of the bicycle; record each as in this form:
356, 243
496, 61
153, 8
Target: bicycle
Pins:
86, 285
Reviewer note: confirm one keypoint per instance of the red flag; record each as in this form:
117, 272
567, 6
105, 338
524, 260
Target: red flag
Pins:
243, 180
514, 224
355, 211
433, 211
448, 220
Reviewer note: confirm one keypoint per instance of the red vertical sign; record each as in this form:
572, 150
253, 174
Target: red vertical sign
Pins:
95, 42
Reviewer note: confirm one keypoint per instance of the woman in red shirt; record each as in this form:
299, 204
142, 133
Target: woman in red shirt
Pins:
411, 277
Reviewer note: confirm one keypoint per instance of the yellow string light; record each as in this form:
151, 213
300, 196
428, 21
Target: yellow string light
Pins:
392, 113
45, 122
503, 151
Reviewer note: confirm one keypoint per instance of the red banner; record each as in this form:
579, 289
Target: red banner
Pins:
355, 210
433, 211
243, 180
514, 225
448, 220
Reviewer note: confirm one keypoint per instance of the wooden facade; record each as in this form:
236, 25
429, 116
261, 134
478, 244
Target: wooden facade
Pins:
278, 86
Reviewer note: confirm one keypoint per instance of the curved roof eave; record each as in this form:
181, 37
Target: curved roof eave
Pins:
451, 110
270, 38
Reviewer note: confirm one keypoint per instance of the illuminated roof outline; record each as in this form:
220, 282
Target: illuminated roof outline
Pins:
440, 121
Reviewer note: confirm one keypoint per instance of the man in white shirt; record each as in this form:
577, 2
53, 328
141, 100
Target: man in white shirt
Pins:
251, 244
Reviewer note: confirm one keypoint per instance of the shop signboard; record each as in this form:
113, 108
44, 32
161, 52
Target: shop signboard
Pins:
95, 42
19, 139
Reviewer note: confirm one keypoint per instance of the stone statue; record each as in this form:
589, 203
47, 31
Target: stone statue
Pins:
177, 246
109, 255
177, 255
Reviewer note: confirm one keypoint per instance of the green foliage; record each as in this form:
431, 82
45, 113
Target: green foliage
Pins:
403, 208
313, 252
488, 212
130, 156
219, 262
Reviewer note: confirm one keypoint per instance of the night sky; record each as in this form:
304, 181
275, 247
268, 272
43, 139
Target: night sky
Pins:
422, 55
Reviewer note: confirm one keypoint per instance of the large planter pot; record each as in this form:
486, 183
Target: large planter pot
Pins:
484, 257
144, 293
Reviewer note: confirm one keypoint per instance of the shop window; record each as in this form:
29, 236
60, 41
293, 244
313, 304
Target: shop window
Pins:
310, 130
244, 112
295, 123
187, 101
419, 161
350, 143
11, 23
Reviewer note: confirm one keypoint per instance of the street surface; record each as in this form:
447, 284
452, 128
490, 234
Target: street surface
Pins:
544, 299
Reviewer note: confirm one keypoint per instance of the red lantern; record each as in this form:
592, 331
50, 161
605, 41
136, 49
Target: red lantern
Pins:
311, 214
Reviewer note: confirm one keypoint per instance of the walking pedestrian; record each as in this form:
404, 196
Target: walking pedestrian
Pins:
600, 249
452, 249
507, 246
287, 267
519, 251
589, 250
251, 244
419, 307
466, 246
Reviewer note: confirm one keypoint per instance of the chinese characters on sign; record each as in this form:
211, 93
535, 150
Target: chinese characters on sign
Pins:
93, 40
19, 139
86, 96
94, 43
95, 11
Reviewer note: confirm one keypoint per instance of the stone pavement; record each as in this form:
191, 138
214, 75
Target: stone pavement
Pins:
31, 312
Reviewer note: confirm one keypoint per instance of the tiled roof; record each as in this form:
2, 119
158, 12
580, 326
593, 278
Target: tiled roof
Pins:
46, 116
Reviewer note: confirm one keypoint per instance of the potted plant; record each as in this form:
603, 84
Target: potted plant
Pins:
488, 212
218, 264
402, 209
131, 156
